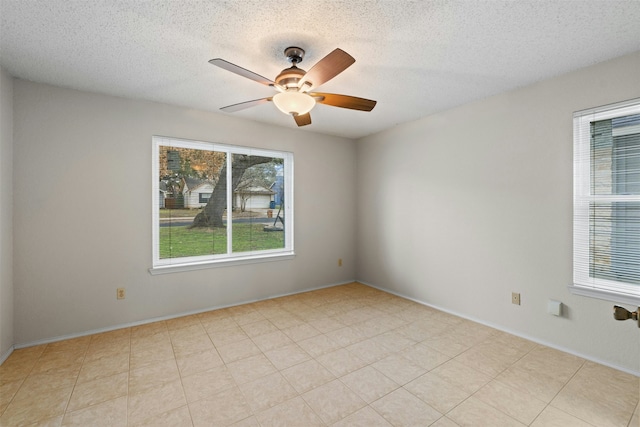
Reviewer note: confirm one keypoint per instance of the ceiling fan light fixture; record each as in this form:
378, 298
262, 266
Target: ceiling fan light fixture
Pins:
295, 85
294, 102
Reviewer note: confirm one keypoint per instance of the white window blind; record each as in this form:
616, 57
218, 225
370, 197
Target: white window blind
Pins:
607, 202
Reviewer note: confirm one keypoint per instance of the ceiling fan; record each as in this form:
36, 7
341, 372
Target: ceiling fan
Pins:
295, 85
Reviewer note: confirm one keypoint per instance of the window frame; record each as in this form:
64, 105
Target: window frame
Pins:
170, 265
583, 283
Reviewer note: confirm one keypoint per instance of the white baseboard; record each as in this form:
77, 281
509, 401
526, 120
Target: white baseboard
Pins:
158, 319
512, 332
188, 313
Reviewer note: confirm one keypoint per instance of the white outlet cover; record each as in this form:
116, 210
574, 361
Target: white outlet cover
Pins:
554, 307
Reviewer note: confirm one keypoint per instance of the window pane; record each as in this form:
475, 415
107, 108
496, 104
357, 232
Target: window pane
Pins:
615, 241
188, 181
257, 220
204, 197
626, 154
625, 242
615, 225
615, 156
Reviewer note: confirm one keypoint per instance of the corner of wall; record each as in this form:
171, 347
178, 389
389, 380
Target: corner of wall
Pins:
6, 215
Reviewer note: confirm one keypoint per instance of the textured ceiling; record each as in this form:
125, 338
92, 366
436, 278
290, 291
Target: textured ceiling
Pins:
414, 57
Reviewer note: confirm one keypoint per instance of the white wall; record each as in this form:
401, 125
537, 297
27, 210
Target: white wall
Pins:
490, 186
6, 214
70, 257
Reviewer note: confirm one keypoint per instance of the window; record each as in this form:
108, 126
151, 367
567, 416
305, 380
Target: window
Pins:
204, 197
199, 221
607, 202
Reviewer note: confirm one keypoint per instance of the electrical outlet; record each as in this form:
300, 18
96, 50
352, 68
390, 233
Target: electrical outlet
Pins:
120, 293
515, 298
339, 262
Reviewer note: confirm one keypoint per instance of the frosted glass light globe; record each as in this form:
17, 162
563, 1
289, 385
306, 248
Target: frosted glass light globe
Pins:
294, 102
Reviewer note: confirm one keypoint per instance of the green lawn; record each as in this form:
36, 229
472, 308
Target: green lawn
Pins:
178, 213
182, 241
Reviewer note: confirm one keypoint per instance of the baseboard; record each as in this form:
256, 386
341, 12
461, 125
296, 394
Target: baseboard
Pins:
6, 355
188, 313
158, 319
509, 331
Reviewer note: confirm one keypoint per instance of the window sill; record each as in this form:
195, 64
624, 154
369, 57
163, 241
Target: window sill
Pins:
177, 268
617, 297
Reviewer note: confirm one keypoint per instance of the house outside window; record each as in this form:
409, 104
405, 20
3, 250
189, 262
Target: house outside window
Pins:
607, 202
199, 222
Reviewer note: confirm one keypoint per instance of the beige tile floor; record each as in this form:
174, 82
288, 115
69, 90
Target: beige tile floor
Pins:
343, 356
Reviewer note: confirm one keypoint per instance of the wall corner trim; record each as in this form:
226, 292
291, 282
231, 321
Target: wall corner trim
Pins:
6, 355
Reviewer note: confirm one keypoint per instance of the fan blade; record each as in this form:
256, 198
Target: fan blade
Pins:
344, 101
327, 68
218, 62
303, 120
244, 105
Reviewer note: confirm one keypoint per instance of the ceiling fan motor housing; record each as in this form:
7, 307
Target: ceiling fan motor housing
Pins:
289, 77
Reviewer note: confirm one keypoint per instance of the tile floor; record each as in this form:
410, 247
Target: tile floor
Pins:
343, 356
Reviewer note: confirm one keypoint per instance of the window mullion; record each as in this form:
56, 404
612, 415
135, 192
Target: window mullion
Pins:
229, 203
